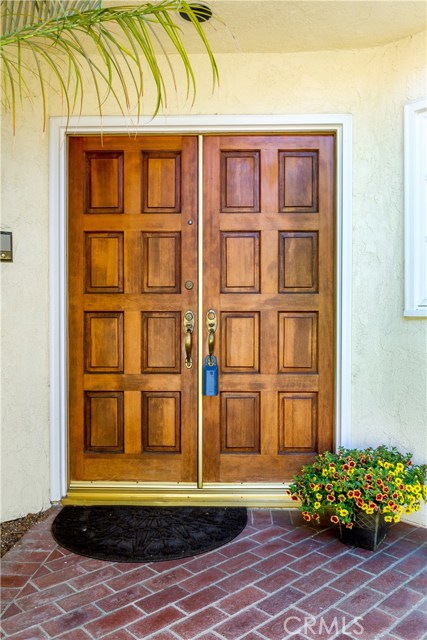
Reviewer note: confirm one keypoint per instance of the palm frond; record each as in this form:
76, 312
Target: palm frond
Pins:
115, 45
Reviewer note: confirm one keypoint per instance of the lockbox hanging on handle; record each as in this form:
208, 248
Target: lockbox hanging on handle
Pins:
210, 377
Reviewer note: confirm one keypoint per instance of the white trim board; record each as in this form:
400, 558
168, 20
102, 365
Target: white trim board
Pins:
340, 124
415, 183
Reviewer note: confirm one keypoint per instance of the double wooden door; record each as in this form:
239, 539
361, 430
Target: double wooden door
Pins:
267, 272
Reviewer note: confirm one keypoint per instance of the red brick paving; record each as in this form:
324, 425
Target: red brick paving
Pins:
280, 579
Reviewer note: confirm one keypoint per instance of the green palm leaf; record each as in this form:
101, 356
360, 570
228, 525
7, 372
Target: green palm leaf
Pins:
57, 41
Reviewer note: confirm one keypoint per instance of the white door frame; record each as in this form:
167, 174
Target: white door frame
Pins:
60, 128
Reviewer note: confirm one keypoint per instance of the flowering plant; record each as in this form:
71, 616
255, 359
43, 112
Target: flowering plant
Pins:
373, 480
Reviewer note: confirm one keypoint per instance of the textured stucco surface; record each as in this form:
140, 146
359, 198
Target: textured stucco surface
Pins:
389, 352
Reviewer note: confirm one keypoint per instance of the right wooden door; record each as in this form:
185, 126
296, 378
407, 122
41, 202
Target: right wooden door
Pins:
268, 273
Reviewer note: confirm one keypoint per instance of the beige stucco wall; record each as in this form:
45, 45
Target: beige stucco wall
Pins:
388, 351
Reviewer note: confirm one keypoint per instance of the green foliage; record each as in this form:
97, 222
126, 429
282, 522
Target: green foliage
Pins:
57, 40
373, 480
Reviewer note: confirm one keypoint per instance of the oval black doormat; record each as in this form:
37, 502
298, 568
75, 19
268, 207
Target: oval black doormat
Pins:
146, 534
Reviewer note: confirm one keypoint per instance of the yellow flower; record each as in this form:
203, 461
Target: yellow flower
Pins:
399, 467
344, 512
396, 518
369, 511
388, 518
324, 472
317, 505
319, 496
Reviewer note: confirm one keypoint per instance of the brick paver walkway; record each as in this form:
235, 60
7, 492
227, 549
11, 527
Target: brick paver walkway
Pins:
279, 579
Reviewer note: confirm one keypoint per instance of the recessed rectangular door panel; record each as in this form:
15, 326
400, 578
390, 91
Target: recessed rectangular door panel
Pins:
132, 402
269, 276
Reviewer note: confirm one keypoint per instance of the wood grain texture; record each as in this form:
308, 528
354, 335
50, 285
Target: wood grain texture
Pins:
268, 271
132, 403
276, 339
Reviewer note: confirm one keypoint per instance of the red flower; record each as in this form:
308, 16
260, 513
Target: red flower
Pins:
346, 467
368, 477
330, 498
359, 502
334, 519
379, 482
357, 493
350, 493
395, 495
379, 497
329, 487
294, 497
306, 517
336, 476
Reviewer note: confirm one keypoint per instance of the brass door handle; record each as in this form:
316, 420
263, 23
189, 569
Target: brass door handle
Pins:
188, 328
211, 324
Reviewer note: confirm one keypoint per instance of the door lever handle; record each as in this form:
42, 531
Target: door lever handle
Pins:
188, 328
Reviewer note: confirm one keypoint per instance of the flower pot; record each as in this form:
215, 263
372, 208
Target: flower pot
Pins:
368, 531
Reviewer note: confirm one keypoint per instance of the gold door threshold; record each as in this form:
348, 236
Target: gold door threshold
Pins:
179, 494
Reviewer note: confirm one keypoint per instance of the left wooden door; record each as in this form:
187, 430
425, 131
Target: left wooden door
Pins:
132, 400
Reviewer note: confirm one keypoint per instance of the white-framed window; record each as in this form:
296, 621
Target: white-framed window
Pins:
415, 189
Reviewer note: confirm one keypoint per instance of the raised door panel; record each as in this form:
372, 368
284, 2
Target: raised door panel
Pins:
103, 192
239, 342
161, 421
298, 262
297, 342
298, 181
104, 272
298, 422
240, 262
240, 420
104, 430
104, 342
240, 181
160, 348
161, 182
161, 262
